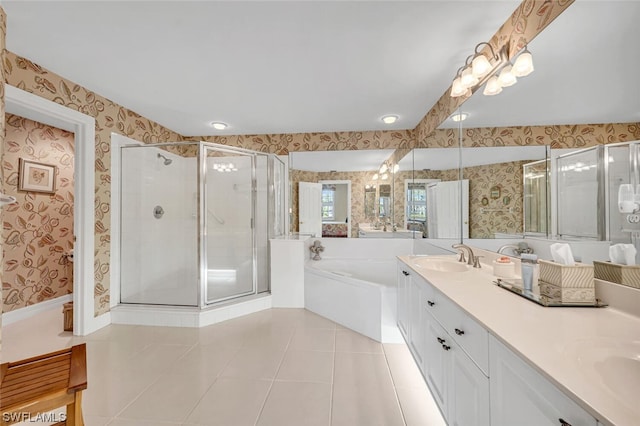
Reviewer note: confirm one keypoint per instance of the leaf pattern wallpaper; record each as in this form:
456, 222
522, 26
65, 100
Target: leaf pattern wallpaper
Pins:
3, 34
38, 228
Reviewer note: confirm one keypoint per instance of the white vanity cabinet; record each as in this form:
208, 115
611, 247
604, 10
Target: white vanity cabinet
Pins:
459, 386
522, 396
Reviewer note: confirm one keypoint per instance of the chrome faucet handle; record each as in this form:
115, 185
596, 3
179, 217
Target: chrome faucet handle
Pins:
476, 262
461, 258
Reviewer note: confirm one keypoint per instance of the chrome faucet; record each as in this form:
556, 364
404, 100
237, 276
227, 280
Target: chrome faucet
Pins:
518, 249
473, 260
512, 247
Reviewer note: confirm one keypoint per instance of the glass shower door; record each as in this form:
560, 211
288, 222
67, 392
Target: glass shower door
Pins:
227, 211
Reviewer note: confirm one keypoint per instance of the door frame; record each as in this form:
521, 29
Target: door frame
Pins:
33, 107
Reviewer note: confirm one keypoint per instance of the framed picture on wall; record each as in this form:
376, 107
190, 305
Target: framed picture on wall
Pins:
36, 177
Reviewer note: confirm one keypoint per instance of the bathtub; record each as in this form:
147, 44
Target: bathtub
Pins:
359, 294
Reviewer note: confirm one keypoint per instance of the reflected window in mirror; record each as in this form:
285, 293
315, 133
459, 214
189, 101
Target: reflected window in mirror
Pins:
328, 203
416, 203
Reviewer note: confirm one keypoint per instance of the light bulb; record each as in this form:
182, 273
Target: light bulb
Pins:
396, 168
219, 125
385, 176
467, 78
457, 89
493, 87
375, 177
459, 116
480, 66
523, 66
389, 119
384, 168
506, 77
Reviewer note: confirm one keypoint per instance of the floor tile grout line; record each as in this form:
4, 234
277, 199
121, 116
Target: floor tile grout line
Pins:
273, 380
199, 399
395, 390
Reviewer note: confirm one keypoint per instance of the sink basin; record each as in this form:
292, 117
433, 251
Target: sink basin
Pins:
440, 264
616, 365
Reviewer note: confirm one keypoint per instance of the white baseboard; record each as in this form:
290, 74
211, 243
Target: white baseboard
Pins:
174, 316
32, 310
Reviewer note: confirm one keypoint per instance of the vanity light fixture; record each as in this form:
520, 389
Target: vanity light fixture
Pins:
389, 119
219, 125
496, 71
383, 168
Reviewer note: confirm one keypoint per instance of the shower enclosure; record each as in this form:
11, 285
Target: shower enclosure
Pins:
196, 219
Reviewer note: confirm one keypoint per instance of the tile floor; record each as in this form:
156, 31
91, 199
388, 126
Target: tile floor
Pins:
276, 367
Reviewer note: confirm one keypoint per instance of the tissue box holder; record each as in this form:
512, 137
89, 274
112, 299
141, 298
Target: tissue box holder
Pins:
559, 275
568, 284
628, 275
576, 295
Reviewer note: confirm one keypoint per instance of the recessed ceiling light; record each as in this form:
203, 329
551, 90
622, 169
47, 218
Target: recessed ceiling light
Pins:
459, 116
389, 119
219, 125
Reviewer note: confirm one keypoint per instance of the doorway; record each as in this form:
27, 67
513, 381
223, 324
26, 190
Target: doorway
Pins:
27, 105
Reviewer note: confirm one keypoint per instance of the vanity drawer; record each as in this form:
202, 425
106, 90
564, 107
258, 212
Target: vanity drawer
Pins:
471, 336
433, 300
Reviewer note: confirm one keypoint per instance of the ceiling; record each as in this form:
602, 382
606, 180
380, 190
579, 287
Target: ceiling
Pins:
261, 67
340, 161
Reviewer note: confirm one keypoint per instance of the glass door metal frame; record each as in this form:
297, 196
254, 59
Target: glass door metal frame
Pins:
203, 148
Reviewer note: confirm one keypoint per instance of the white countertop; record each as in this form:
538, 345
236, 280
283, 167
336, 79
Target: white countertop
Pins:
560, 343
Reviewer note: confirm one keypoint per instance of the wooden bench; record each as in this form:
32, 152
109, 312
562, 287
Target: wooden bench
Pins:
43, 383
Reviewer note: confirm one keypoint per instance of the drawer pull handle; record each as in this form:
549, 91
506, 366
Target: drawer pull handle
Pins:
430, 303
441, 341
459, 332
406, 274
446, 348
564, 423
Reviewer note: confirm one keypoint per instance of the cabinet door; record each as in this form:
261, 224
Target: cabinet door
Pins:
436, 361
521, 396
403, 308
416, 312
468, 390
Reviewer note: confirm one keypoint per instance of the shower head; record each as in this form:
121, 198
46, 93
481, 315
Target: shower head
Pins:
167, 161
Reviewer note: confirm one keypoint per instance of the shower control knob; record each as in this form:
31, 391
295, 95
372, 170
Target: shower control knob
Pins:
158, 212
